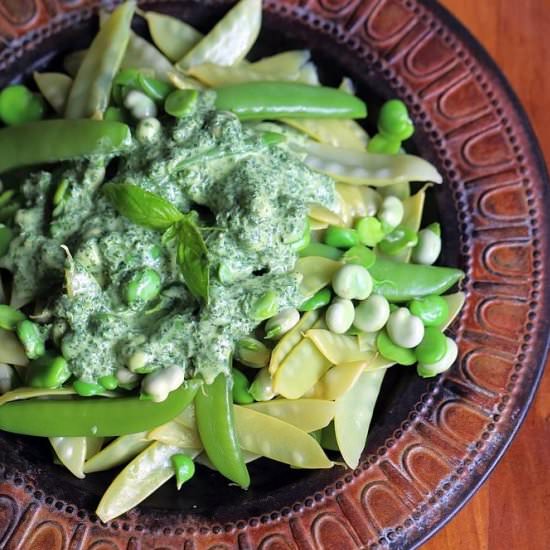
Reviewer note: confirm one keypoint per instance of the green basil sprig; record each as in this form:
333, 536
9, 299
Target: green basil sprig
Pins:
154, 212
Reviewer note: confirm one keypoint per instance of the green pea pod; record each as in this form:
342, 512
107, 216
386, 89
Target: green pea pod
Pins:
56, 140
400, 282
276, 100
91, 89
214, 407
97, 417
55, 87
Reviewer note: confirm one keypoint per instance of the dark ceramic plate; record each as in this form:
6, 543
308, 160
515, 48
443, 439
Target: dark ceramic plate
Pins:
432, 444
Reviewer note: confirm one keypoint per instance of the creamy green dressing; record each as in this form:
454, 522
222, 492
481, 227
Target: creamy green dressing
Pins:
75, 258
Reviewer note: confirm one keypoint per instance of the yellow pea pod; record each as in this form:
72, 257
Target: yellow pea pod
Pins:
231, 38
358, 201
188, 417
141, 54
291, 339
323, 214
309, 75
71, 451
317, 225
93, 446
353, 416
339, 348
175, 433
337, 381
11, 350
455, 302
270, 437
362, 168
55, 88
300, 370
367, 340
172, 36
305, 414
119, 451
317, 273
288, 63
203, 460
140, 478
72, 62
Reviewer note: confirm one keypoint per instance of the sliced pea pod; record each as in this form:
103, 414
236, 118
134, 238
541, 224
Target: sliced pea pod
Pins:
119, 451
140, 478
71, 451
337, 381
362, 168
317, 273
91, 89
141, 54
11, 350
175, 433
353, 416
300, 370
305, 414
231, 38
271, 437
172, 36
55, 88
291, 339
339, 348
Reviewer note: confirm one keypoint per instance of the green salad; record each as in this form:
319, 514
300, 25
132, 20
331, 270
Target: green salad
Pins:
207, 260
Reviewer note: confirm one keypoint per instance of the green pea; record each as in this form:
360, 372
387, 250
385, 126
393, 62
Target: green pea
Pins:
252, 352
341, 237
143, 287
48, 372
9, 317
266, 306
394, 120
31, 337
317, 301
241, 388
87, 389
433, 346
360, 255
393, 352
19, 105
432, 310
109, 382
369, 230
184, 468
398, 240
384, 145
181, 103
321, 250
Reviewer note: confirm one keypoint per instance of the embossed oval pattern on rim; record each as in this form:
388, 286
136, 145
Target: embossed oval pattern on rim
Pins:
473, 127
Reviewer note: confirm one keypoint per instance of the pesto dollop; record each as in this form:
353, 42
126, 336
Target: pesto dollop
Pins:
77, 257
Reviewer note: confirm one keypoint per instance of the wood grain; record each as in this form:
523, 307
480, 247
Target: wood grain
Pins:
511, 510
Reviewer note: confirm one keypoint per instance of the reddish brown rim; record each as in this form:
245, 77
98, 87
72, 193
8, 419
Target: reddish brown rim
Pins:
473, 127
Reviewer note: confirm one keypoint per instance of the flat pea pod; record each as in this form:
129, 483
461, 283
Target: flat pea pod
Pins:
432, 310
50, 141
216, 425
71, 451
119, 451
18, 105
89, 95
261, 388
55, 88
317, 301
141, 54
321, 250
398, 240
93, 417
48, 372
433, 346
400, 282
393, 352
10, 317
276, 100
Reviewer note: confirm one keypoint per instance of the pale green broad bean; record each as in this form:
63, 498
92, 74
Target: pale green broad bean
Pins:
352, 282
339, 315
404, 329
372, 314
281, 323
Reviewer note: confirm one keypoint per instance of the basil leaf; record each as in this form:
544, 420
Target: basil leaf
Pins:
142, 207
192, 258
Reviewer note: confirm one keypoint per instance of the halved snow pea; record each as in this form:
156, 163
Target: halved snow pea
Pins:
337, 381
71, 451
175, 433
317, 273
338, 348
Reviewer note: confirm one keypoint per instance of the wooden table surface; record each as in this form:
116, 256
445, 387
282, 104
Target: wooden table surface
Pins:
512, 509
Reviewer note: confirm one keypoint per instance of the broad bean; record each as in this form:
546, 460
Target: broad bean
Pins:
31, 337
339, 316
404, 329
352, 282
140, 105
252, 352
427, 370
428, 247
281, 323
370, 231
160, 383
372, 314
391, 212
433, 346
432, 310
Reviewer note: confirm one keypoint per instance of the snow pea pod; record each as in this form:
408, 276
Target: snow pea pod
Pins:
55, 88
97, 417
400, 282
275, 100
89, 96
214, 407
56, 140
